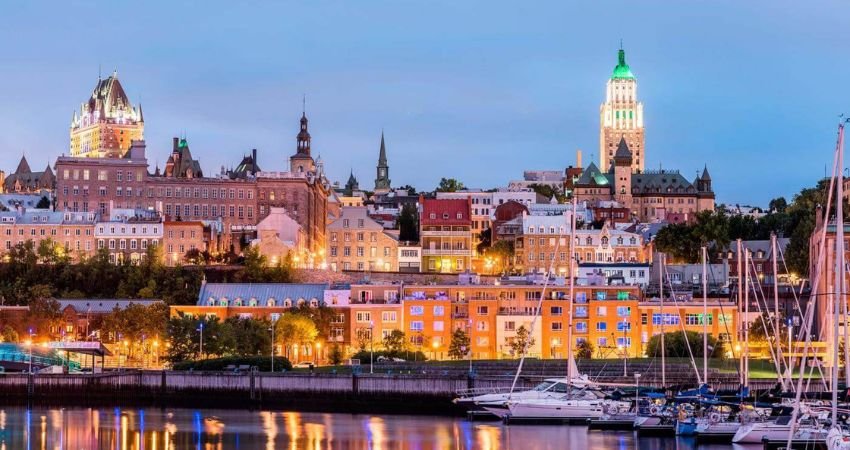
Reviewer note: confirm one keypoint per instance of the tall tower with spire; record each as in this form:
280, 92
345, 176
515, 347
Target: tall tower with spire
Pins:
621, 117
382, 180
302, 161
107, 122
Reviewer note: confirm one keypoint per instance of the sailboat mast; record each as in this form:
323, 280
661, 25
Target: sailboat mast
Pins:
746, 317
776, 339
740, 311
571, 258
838, 294
661, 296
704, 317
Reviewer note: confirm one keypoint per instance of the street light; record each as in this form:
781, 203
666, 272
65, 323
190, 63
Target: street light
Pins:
318, 349
435, 345
271, 328
29, 347
371, 346
201, 329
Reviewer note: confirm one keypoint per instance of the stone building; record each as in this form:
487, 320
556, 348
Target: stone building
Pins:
25, 180
127, 233
180, 238
280, 236
71, 232
107, 123
358, 242
651, 195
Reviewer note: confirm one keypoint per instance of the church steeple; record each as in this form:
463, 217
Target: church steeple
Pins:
301, 161
382, 180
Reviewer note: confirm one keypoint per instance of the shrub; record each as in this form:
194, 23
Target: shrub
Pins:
363, 355
262, 363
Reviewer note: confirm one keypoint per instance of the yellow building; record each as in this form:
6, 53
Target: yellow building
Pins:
106, 123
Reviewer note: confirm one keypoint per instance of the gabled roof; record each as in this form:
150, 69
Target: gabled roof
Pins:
23, 166
102, 305
445, 211
592, 176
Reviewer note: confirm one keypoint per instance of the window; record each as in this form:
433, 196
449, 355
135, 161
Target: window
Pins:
601, 311
581, 327
438, 310
602, 342
669, 319
388, 316
557, 326
510, 325
417, 325
364, 316
417, 310
624, 342
624, 326
624, 311
438, 325
581, 311
482, 310
556, 310
601, 326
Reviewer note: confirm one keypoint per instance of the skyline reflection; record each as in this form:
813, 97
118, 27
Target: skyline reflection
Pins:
178, 429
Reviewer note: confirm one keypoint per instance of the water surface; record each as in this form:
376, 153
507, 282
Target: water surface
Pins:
178, 429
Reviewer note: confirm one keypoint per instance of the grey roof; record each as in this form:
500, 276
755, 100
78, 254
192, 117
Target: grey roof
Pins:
623, 150
102, 305
262, 292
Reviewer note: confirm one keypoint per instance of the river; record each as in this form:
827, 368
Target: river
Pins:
210, 429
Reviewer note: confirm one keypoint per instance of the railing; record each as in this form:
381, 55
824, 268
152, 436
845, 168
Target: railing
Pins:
427, 233
441, 252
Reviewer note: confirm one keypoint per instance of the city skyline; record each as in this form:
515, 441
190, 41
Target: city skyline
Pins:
446, 96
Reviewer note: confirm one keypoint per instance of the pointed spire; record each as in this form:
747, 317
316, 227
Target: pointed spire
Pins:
141, 114
23, 166
705, 176
382, 158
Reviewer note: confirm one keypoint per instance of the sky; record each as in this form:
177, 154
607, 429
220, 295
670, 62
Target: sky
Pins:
475, 90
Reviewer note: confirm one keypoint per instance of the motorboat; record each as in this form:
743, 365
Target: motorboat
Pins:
482, 401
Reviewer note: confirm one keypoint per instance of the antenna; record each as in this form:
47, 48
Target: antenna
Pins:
304, 105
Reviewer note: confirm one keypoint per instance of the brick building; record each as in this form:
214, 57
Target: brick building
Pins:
445, 234
357, 242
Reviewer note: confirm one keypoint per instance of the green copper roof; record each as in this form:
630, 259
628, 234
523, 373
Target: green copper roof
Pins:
622, 70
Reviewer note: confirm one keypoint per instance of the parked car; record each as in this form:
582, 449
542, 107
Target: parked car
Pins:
303, 365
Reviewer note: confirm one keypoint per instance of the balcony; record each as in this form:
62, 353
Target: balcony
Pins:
425, 233
460, 315
441, 252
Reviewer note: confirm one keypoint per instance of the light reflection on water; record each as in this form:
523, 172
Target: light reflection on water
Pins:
178, 429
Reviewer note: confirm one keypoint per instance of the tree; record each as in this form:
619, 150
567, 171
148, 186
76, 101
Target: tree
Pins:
501, 254
410, 189
778, 205
44, 311
408, 223
336, 355
8, 334
251, 337
449, 185
193, 256
294, 332
549, 191
459, 347
675, 345
584, 349
395, 343
520, 344
43, 203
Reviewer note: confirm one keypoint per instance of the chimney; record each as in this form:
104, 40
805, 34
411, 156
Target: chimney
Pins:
176, 142
254, 160
578, 159
818, 217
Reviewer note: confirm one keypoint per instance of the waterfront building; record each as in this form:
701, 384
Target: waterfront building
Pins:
445, 233
126, 234
358, 242
72, 233
107, 123
24, 180
621, 117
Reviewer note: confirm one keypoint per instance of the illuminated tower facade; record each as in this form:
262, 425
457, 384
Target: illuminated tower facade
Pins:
106, 123
621, 117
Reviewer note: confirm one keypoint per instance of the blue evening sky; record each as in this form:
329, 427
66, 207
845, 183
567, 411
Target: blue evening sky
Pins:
477, 90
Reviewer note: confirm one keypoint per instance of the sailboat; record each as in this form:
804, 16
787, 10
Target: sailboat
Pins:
576, 405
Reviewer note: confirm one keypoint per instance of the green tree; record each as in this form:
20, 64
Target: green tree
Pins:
549, 191
395, 343
410, 189
675, 345
336, 355
294, 332
584, 349
44, 312
778, 205
523, 340
9, 334
449, 185
408, 223
193, 256
252, 337
43, 203
459, 347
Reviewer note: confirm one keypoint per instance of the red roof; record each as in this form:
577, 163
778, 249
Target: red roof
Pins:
446, 211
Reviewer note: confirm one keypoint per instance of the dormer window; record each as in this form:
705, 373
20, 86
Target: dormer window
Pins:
460, 216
